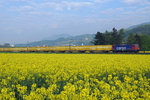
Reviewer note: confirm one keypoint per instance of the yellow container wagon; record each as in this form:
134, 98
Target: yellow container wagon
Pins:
92, 48
59, 48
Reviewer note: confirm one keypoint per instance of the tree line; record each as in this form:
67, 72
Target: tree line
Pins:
5, 45
119, 37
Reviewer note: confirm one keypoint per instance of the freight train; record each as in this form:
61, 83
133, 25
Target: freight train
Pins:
93, 48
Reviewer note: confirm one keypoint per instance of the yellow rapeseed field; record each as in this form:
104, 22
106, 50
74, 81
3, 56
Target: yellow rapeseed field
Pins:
74, 77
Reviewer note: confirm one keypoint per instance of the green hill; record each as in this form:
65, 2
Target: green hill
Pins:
73, 41
141, 29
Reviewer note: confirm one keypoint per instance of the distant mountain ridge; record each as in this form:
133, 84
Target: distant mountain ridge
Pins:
54, 37
134, 26
72, 40
86, 39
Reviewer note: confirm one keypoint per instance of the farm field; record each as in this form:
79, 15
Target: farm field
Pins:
74, 76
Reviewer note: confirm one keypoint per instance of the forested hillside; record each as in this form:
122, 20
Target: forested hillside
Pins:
138, 35
142, 29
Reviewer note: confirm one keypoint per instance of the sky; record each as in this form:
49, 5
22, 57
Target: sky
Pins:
23, 21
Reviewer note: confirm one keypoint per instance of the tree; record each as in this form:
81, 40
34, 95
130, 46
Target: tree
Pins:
131, 39
114, 36
99, 39
121, 36
138, 39
110, 38
145, 42
107, 36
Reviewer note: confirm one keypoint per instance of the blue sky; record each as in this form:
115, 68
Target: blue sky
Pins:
24, 21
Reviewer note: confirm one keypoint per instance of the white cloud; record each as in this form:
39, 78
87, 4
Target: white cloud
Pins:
58, 6
22, 8
14, 0
53, 5
131, 1
141, 2
66, 5
100, 1
70, 5
29, 2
